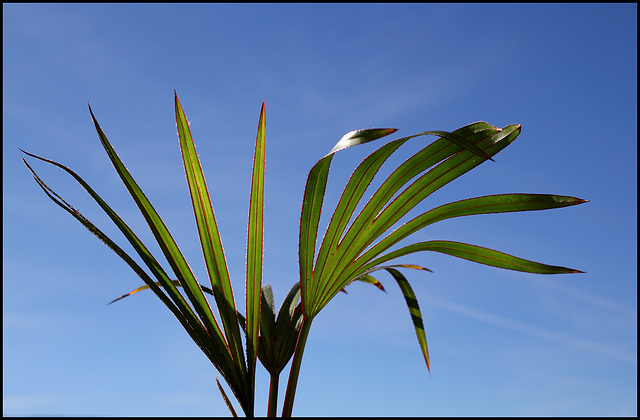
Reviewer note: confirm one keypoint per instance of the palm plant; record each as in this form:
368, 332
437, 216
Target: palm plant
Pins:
355, 245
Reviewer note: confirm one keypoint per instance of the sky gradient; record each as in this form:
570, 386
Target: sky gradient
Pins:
502, 343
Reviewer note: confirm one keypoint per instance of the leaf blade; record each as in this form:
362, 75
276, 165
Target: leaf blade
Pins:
312, 208
373, 220
479, 255
255, 248
171, 251
182, 312
499, 203
213, 255
414, 311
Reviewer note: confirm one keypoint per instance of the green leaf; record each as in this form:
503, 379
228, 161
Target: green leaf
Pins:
477, 254
384, 212
288, 325
182, 312
278, 336
462, 142
501, 203
214, 259
341, 246
410, 298
255, 249
312, 203
161, 233
414, 310
226, 399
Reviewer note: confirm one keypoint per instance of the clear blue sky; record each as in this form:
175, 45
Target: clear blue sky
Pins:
502, 343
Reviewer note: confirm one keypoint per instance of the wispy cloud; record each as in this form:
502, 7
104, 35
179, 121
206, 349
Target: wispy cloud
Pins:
30, 403
533, 330
586, 297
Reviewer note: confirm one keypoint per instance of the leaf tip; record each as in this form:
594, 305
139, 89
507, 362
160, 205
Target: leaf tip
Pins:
115, 300
93, 118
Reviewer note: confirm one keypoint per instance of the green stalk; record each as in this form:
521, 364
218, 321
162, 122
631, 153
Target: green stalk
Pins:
273, 395
287, 408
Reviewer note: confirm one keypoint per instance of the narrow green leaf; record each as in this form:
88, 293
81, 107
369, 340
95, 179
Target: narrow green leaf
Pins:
463, 142
255, 249
310, 218
184, 315
351, 196
312, 205
500, 203
226, 399
128, 233
477, 254
213, 254
378, 221
373, 220
181, 269
414, 310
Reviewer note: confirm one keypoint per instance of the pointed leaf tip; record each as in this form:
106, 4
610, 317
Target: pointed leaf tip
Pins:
356, 137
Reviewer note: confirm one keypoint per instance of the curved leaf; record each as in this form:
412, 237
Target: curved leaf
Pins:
379, 220
355, 137
500, 203
312, 202
414, 310
477, 254
184, 314
333, 267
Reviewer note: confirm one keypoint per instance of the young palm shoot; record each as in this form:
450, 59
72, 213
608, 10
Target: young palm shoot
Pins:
348, 251
354, 246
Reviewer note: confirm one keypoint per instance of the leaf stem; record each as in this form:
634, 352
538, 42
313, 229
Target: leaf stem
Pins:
295, 368
273, 395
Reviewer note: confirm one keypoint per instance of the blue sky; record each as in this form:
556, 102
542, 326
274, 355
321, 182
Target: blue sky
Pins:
501, 343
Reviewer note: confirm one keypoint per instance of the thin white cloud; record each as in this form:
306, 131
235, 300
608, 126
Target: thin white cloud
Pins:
529, 329
586, 297
33, 403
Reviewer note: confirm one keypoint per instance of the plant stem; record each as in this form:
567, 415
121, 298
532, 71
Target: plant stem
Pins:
295, 368
273, 395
